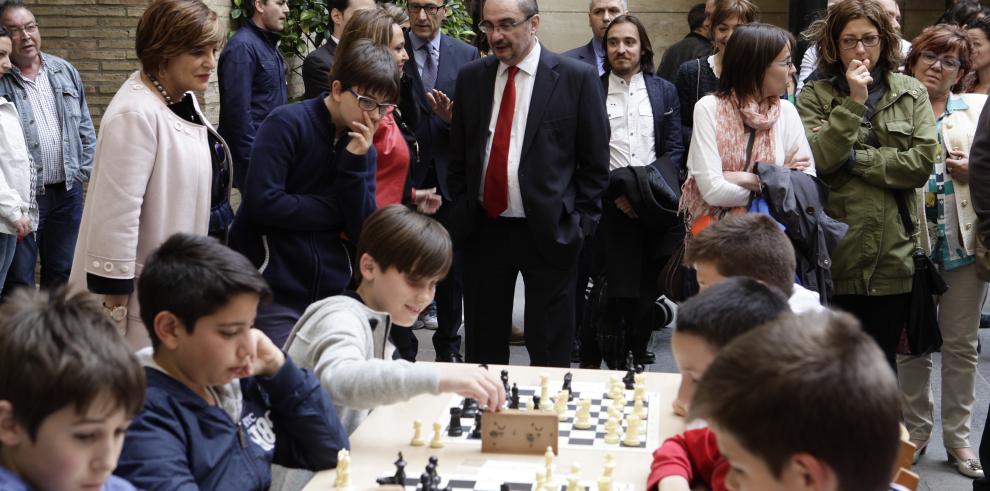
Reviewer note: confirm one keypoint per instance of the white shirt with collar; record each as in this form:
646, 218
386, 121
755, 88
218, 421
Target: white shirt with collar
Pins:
525, 78
630, 117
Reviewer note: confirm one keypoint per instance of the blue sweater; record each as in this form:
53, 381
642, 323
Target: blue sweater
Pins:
10, 482
179, 442
301, 193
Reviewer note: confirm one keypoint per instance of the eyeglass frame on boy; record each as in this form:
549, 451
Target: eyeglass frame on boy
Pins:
382, 107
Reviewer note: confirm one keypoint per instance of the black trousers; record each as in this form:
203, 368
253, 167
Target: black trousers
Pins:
983, 484
883, 317
502, 249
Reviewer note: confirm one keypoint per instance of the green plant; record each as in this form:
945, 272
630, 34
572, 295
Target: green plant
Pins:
308, 24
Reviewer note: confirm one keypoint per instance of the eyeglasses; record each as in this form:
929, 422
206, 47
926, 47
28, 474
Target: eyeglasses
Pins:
431, 9
20, 32
503, 27
851, 42
948, 64
368, 104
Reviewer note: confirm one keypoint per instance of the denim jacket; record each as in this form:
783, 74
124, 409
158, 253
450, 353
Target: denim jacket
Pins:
78, 134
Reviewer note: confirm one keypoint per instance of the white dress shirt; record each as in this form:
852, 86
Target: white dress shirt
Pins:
630, 117
525, 78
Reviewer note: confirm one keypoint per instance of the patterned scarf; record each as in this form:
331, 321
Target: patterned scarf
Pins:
731, 137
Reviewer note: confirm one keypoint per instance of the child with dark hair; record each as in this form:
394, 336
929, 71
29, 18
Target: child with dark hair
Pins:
69, 387
223, 402
804, 402
311, 184
402, 255
706, 323
750, 245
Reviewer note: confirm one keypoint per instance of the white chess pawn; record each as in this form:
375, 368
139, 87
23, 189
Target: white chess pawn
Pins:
605, 484
541, 479
612, 431
417, 439
608, 468
632, 431
544, 387
583, 416
614, 388
572, 483
560, 405
437, 441
549, 464
343, 477
638, 409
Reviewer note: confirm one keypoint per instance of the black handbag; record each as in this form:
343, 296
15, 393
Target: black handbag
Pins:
922, 330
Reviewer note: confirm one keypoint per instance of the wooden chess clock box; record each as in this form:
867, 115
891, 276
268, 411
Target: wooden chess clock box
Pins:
519, 432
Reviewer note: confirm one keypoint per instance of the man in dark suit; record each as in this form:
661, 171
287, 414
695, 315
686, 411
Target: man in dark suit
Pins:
436, 59
600, 14
634, 240
316, 66
528, 165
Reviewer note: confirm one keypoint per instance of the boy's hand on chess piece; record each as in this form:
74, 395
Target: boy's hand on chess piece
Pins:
476, 383
266, 358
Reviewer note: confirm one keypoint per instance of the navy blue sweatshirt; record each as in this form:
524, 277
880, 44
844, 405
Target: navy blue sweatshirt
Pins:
179, 442
301, 193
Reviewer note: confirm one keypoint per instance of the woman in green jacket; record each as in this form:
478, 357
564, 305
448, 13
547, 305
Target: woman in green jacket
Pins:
872, 134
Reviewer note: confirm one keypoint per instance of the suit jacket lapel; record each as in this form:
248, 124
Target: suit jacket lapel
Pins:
411, 69
546, 80
446, 70
487, 98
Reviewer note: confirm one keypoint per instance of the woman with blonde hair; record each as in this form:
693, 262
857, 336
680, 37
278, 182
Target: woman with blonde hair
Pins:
160, 168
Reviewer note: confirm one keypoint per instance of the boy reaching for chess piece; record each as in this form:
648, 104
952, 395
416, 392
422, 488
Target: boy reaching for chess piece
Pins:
344, 339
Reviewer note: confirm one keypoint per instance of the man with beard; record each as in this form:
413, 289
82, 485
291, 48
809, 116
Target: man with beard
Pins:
633, 242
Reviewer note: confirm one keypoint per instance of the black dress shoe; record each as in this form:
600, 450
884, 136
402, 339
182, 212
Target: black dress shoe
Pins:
984, 321
647, 358
450, 357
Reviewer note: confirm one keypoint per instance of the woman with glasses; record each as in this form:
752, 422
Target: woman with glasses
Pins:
159, 167
939, 58
744, 122
873, 137
311, 184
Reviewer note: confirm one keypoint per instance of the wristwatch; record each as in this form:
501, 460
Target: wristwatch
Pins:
116, 313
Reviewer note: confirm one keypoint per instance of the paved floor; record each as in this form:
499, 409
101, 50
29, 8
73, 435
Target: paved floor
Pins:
936, 474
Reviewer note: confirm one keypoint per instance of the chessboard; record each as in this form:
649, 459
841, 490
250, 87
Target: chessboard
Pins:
491, 475
593, 437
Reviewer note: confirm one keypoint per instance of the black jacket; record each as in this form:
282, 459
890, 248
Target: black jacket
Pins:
692, 47
797, 200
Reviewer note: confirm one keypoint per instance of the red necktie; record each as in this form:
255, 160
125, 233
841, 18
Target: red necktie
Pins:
496, 197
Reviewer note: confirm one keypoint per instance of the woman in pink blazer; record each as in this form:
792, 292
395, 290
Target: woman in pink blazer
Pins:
160, 168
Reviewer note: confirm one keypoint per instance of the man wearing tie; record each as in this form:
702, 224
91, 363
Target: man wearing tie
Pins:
437, 59
529, 163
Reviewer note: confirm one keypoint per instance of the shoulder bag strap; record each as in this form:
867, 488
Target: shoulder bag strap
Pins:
749, 148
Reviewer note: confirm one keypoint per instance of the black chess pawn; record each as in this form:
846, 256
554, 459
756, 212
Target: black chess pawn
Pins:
568, 377
454, 428
476, 432
514, 400
536, 402
425, 482
504, 487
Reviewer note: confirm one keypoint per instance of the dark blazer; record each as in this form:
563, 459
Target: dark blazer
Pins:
692, 47
584, 53
666, 107
979, 175
563, 167
316, 69
432, 134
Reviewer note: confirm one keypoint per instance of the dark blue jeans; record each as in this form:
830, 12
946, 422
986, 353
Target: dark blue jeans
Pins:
60, 211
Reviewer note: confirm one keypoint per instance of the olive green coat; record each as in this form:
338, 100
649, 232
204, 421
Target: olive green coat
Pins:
874, 258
